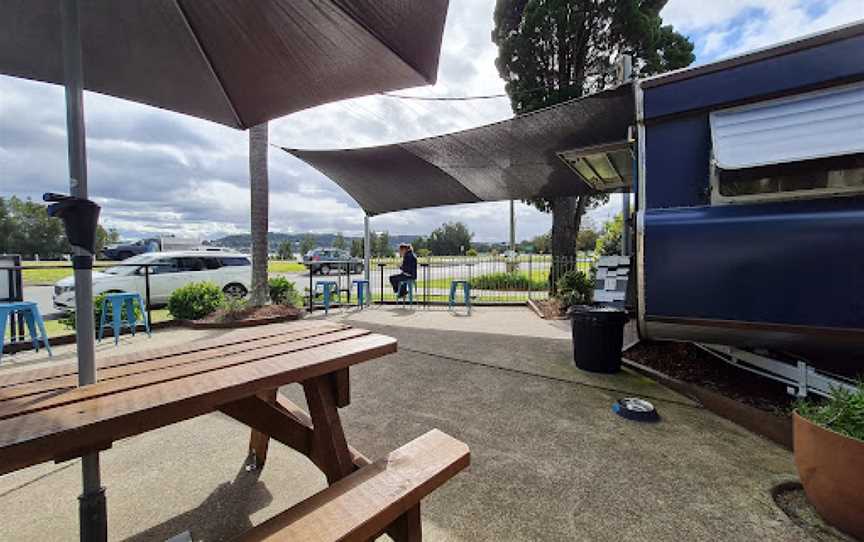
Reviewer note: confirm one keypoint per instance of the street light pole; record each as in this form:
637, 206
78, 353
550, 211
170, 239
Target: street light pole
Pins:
93, 522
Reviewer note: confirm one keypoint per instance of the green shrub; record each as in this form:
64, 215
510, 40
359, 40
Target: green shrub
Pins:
233, 308
423, 252
283, 292
575, 288
609, 242
68, 319
471, 252
842, 412
507, 281
195, 300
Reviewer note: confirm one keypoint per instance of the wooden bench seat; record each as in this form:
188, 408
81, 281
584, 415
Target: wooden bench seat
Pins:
382, 496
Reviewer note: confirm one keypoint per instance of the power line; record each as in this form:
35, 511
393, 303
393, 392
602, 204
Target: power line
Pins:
443, 98
467, 98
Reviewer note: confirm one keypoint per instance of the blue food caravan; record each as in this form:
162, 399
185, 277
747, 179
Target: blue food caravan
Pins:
750, 201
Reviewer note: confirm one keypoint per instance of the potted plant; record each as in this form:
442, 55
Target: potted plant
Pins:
598, 331
829, 456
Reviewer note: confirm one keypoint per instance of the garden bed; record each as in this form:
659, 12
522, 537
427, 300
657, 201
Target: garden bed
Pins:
548, 309
689, 363
248, 317
752, 401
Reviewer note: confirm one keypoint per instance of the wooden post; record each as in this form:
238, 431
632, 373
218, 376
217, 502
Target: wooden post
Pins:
258, 441
407, 528
329, 445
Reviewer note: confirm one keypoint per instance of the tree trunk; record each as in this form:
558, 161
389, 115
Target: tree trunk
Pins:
566, 220
260, 195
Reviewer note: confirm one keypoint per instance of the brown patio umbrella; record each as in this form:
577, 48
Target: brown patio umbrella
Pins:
235, 62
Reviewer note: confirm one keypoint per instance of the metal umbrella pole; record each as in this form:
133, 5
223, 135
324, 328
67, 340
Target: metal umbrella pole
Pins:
367, 250
91, 505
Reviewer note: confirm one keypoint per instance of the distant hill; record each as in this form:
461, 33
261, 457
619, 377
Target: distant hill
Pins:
243, 241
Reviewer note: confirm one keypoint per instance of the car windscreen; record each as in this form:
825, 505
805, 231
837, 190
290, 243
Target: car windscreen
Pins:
129, 265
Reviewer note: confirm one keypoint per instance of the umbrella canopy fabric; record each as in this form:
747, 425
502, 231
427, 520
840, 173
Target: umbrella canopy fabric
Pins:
235, 63
513, 159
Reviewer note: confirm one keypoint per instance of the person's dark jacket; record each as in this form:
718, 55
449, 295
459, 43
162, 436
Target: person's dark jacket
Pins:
409, 264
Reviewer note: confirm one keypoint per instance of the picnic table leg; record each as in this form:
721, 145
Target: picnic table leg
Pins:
258, 441
407, 527
329, 444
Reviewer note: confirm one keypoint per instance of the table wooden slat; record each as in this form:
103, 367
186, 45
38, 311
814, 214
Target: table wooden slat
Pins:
71, 429
163, 371
266, 343
239, 337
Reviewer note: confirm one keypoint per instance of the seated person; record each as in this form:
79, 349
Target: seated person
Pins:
409, 270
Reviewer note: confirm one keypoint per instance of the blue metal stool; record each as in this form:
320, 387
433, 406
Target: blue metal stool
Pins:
411, 285
466, 293
326, 287
32, 316
362, 288
120, 303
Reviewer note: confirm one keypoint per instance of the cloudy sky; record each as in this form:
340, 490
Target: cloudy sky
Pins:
160, 172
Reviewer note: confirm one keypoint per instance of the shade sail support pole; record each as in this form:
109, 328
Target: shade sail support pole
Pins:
367, 249
92, 515
513, 225
625, 226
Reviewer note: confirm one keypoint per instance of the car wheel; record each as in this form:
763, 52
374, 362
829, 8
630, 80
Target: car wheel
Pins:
324, 269
235, 290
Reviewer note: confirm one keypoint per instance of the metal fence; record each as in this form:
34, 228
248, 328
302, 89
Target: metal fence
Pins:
493, 279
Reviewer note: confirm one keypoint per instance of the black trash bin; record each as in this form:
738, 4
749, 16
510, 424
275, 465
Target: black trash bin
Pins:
598, 335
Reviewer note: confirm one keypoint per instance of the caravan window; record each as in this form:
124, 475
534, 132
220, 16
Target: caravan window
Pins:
809, 145
825, 176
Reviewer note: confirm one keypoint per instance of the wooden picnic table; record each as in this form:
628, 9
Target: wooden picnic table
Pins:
44, 416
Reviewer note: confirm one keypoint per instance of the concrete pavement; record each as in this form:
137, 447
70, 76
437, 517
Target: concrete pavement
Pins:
550, 461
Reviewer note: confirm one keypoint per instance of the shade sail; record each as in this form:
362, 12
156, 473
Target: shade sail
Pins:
513, 159
236, 63
821, 124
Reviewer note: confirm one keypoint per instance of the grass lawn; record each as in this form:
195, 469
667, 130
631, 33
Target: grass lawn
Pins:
45, 276
282, 266
55, 328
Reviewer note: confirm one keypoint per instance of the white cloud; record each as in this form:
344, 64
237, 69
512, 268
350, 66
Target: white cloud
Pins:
155, 171
728, 27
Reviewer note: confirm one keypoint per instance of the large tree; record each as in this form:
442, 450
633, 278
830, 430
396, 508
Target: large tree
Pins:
451, 238
550, 51
26, 229
260, 195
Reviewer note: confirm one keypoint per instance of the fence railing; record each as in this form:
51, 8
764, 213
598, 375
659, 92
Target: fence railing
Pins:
493, 279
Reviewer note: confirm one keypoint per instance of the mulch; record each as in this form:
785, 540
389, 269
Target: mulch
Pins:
252, 316
550, 309
689, 363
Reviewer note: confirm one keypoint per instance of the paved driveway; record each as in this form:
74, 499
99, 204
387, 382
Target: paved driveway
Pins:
550, 461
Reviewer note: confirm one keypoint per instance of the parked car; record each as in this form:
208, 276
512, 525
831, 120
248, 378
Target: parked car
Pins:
171, 270
323, 260
127, 249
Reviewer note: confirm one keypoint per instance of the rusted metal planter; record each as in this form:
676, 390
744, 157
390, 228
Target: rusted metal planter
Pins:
831, 468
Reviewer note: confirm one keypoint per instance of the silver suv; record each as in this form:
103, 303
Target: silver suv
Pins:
324, 260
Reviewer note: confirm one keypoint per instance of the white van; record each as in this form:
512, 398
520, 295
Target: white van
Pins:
230, 270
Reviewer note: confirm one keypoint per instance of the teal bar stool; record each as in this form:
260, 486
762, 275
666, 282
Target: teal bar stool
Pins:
122, 302
466, 293
330, 289
362, 289
35, 323
411, 284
